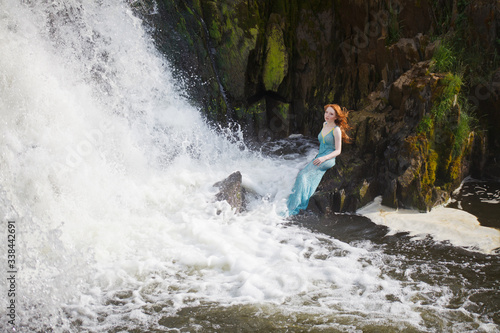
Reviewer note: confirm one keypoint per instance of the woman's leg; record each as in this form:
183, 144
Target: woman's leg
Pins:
305, 185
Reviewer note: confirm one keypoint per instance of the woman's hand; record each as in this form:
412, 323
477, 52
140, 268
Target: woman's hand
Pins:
319, 160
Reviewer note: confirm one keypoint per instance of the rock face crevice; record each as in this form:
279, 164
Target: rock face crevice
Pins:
272, 65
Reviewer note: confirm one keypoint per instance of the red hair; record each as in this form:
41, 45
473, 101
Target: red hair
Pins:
341, 120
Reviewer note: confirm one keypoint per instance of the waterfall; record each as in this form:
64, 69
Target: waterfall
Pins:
107, 172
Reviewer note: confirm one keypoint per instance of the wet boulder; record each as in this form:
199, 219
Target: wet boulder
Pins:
232, 191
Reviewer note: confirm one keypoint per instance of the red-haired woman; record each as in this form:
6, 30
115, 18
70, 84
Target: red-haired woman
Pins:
330, 139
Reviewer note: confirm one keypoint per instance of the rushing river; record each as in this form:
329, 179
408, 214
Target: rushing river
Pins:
106, 177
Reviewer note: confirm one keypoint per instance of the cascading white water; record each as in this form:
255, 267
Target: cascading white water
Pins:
108, 174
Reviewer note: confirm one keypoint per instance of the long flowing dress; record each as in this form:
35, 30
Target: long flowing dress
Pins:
309, 178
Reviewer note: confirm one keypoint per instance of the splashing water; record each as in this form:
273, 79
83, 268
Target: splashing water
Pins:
108, 174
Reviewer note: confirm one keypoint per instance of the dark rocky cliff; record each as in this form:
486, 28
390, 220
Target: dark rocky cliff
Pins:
420, 76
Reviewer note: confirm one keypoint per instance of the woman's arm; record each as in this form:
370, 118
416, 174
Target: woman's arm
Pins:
337, 135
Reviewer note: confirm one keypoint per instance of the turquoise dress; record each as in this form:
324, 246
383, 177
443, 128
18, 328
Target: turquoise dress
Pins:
308, 178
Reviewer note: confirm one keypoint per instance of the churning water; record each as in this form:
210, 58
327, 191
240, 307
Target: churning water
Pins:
107, 173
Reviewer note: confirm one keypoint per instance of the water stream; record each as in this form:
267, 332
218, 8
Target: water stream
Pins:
107, 172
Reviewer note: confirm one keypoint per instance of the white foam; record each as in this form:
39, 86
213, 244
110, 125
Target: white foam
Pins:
443, 224
491, 201
109, 174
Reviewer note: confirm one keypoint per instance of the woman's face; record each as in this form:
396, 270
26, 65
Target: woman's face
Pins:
330, 115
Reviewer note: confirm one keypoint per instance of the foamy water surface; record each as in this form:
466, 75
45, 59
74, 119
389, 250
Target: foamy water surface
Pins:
109, 176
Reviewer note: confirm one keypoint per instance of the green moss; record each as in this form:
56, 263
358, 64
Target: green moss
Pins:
331, 95
214, 30
426, 175
234, 29
447, 97
283, 110
432, 164
182, 27
364, 198
426, 125
363, 189
276, 63
465, 127
197, 6
451, 115
414, 145
258, 108
342, 199
455, 170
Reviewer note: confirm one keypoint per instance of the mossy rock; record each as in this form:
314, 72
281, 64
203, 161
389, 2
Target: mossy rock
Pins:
276, 61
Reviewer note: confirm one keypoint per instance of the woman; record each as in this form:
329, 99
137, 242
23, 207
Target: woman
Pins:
330, 139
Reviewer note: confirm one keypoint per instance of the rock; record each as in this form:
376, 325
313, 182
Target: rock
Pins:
272, 65
391, 157
404, 53
415, 78
276, 62
484, 16
232, 191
